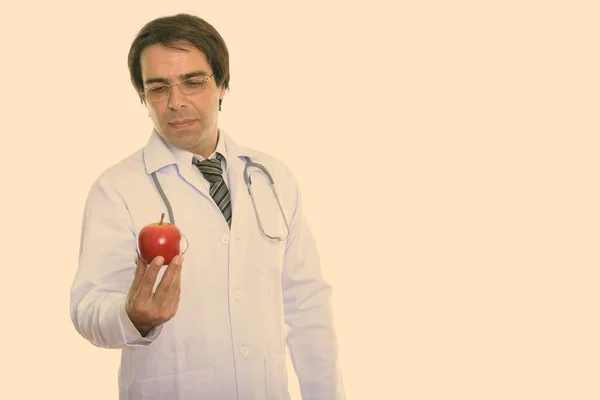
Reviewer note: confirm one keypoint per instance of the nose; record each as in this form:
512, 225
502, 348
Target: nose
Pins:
176, 98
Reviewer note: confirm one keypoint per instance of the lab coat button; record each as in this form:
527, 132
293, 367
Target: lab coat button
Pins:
225, 239
237, 294
245, 350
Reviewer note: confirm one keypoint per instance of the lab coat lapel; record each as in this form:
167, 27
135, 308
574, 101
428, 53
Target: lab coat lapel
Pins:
237, 187
157, 155
242, 206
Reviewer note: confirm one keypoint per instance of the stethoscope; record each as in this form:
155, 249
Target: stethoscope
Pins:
248, 181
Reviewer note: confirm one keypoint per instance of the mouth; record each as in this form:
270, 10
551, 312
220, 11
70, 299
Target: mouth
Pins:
182, 123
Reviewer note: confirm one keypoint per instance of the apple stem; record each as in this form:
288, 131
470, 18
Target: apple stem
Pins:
162, 217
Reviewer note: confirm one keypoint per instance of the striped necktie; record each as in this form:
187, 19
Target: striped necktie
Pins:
212, 171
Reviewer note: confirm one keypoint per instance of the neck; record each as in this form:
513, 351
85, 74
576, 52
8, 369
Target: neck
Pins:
206, 148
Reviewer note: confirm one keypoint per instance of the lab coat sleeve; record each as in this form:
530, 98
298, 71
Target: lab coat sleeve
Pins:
107, 262
311, 337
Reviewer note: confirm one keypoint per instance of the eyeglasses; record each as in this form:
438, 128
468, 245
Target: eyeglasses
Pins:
159, 92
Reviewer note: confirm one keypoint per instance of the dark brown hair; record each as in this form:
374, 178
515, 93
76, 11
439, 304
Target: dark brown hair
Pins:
180, 28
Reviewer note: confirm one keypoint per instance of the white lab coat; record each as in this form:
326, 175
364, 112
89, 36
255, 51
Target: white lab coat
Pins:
227, 340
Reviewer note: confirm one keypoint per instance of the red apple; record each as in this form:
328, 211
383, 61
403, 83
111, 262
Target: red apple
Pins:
159, 239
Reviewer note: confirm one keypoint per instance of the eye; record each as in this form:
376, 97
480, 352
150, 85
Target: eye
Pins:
158, 89
192, 83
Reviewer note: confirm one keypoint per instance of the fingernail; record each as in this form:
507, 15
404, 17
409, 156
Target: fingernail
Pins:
160, 260
178, 260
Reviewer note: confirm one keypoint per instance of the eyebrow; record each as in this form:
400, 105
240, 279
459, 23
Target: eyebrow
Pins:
182, 77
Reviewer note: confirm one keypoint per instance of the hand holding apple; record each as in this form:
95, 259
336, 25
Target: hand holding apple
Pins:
158, 245
159, 239
146, 309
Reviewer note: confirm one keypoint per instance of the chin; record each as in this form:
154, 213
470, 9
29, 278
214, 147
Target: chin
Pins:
183, 139
183, 143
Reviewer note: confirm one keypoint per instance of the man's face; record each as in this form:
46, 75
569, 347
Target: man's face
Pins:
186, 121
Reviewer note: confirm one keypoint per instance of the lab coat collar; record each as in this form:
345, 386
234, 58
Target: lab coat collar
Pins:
158, 153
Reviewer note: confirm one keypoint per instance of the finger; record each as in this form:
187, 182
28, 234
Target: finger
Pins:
172, 302
149, 278
169, 278
139, 275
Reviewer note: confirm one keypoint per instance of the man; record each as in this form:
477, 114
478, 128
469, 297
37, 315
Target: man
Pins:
210, 324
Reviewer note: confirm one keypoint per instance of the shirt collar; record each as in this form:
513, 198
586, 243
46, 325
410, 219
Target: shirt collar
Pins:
159, 153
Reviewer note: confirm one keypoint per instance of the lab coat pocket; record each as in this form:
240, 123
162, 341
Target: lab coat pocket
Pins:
270, 260
187, 385
276, 378
270, 270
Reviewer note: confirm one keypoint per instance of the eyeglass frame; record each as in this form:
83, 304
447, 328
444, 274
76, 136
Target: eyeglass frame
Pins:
169, 86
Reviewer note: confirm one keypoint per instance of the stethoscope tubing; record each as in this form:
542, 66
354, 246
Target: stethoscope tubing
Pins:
248, 181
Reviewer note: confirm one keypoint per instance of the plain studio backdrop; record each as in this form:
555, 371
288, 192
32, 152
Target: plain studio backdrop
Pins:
448, 158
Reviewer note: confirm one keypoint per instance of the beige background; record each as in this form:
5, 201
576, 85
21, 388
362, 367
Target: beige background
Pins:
458, 216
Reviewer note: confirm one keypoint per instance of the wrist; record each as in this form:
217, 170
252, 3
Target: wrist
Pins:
143, 329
